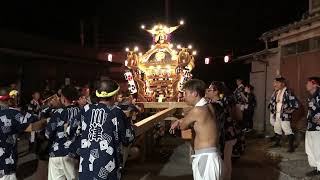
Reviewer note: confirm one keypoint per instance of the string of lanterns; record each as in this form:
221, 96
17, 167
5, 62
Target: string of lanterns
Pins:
226, 59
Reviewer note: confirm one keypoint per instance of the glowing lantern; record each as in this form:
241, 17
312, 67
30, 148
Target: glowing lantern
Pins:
110, 57
226, 59
207, 60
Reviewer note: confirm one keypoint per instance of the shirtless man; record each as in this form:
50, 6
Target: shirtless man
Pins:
206, 164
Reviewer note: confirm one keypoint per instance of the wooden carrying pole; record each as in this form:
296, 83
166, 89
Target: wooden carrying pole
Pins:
147, 123
162, 105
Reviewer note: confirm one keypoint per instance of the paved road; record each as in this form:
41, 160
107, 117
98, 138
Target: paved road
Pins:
170, 161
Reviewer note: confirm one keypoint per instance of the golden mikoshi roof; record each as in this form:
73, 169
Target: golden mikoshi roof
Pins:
161, 63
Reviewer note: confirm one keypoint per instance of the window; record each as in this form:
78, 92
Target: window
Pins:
289, 49
316, 41
303, 46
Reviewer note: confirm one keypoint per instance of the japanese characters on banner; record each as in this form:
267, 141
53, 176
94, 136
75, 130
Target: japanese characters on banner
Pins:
131, 85
186, 75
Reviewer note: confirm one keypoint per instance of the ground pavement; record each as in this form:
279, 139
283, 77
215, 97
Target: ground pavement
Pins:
170, 161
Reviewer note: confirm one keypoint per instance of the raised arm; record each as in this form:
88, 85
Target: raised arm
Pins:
22, 122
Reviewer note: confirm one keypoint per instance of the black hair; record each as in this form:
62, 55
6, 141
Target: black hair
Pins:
217, 85
196, 85
107, 86
34, 92
221, 87
280, 79
315, 80
70, 93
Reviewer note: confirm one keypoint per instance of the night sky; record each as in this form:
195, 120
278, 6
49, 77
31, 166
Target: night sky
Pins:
214, 27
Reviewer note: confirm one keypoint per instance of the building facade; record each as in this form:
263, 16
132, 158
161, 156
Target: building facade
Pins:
296, 57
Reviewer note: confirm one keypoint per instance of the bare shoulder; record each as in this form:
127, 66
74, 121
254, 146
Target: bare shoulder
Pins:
210, 109
195, 112
198, 108
201, 110
205, 111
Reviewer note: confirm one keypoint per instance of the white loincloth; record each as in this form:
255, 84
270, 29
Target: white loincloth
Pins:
312, 144
62, 168
9, 177
207, 164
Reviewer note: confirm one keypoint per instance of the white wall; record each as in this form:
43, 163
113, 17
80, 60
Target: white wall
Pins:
257, 79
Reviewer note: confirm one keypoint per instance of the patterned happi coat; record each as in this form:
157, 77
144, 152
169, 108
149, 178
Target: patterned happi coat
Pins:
226, 123
313, 104
55, 132
238, 94
289, 101
34, 107
44, 144
102, 130
12, 122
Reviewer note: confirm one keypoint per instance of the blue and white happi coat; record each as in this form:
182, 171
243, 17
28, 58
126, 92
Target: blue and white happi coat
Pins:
12, 122
238, 94
47, 112
56, 132
313, 104
289, 101
103, 129
34, 107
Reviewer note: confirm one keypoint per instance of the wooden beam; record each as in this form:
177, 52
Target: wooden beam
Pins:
36, 126
171, 119
147, 123
162, 105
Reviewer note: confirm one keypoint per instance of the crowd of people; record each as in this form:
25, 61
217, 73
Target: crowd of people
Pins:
283, 104
74, 137
78, 136
67, 129
233, 117
231, 112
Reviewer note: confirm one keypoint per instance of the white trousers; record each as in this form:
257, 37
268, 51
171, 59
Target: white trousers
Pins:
280, 126
32, 136
9, 177
62, 168
312, 144
272, 120
207, 166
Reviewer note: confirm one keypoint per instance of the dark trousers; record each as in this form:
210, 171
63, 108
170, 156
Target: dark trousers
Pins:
248, 118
